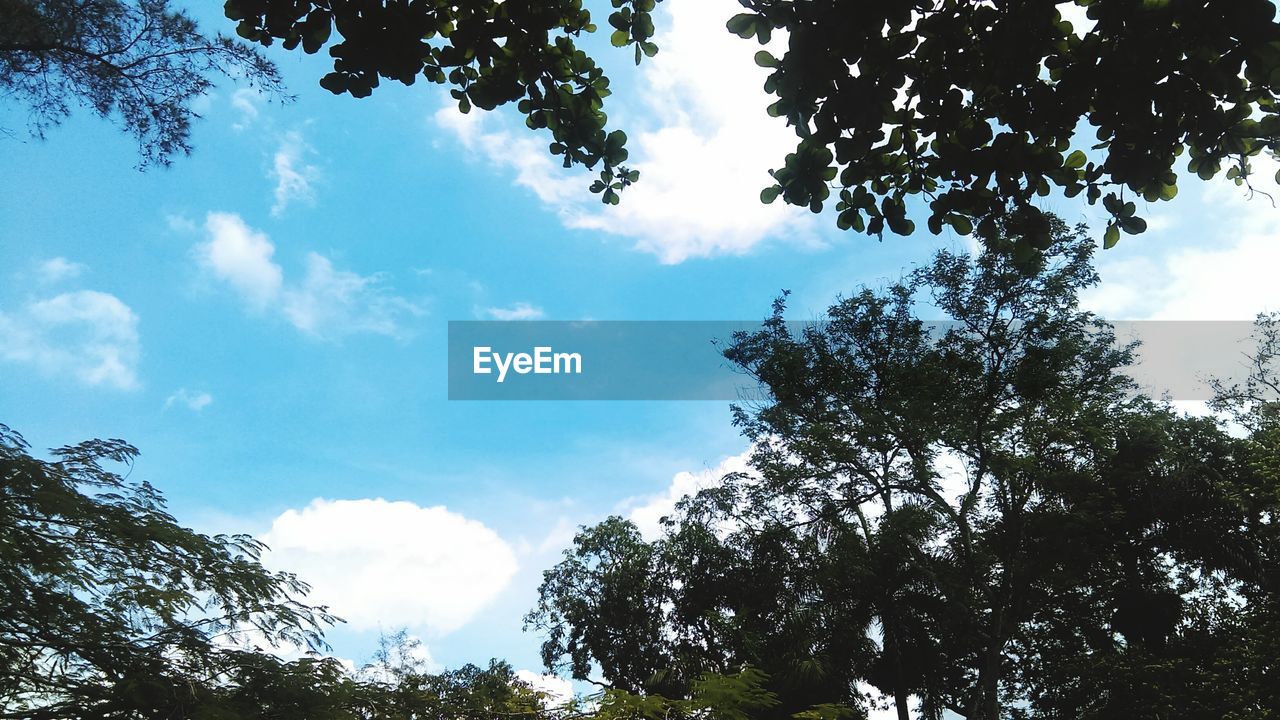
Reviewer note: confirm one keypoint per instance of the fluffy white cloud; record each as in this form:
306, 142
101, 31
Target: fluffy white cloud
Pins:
703, 149
194, 400
58, 269
326, 303
519, 311
242, 257
293, 175
381, 564
647, 513
89, 335
1229, 273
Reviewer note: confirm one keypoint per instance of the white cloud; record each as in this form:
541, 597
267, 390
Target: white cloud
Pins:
381, 564
294, 176
326, 303
58, 269
1228, 273
703, 158
241, 256
89, 335
647, 513
245, 102
329, 300
558, 691
519, 311
195, 400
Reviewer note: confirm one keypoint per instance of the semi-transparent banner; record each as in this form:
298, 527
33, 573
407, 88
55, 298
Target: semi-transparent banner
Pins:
682, 360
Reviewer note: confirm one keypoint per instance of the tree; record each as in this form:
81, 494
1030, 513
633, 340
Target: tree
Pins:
982, 517
974, 106
138, 62
406, 689
110, 609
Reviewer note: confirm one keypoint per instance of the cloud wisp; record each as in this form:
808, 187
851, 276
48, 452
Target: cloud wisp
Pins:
57, 269
87, 335
193, 400
293, 175
518, 311
326, 303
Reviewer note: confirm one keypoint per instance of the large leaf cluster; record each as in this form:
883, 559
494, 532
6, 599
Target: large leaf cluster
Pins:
489, 53
981, 107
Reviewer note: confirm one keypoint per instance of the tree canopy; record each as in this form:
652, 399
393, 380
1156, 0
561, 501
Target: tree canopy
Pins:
977, 107
111, 610
982, 517
138, 62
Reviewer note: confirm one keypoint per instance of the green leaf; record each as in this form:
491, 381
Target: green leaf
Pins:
742, 25
1111, 237
769, 194
614, 141
620, 38
765, 59
1076, 160
1133, 225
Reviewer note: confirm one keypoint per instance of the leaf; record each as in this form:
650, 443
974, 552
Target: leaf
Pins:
614, 141
769, 194
1111, 237
620, 38
1133, 225
1076, 160
743, 25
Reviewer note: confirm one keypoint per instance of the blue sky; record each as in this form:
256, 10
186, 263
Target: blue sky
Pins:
266, 319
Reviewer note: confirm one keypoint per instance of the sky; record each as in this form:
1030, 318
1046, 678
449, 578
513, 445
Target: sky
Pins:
266, 319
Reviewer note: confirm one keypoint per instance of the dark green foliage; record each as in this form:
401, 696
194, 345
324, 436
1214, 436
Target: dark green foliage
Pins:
110, 609
983, 515
973, 106
406, 691
136, 61
490, 53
